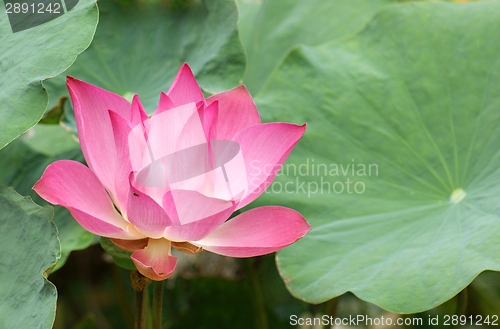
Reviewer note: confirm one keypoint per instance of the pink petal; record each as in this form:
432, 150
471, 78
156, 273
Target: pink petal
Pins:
185, 89
121, 132
137, 115
164, 104
145, 214
91, 105
209, 116
230, 170
72, 185
192, 133
152, 181
265, 147
155, 261
167, 127
256, 232
98, 226
173, 151
237, 111
194, 215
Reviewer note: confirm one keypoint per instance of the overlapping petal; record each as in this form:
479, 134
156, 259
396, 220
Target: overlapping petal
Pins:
164, 104
167, 128
185, 89
72, 185
137, 114
146, 215
209, 116
121, 131
91, 105
265, 147
194, 215
256, 232
237, 111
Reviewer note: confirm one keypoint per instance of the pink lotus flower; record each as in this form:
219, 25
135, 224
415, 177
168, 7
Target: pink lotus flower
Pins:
173, 180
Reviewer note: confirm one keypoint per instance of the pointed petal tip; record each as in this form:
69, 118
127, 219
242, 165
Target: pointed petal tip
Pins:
185, 89
185, 68
303, 127
70, 80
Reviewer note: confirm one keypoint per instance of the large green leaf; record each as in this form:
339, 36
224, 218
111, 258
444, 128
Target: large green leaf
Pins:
140, 48
22, 167
270, 28
29, 247
413, 103
29, 56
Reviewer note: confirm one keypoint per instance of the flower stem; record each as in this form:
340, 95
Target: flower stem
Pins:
140, 310
157, 304
140, 284
258, 299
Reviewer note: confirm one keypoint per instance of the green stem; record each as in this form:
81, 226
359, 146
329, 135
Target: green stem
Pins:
122, 297
258, 299
140, 309
157, 304
140, 284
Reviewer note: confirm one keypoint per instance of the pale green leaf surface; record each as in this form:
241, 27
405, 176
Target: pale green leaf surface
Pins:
35, 54
139, 49
50, 140
29, 247
271, 28
22, 167
415, 95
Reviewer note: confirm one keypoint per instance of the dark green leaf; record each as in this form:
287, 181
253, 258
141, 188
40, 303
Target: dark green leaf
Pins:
30, 249
140, 48
38, 53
